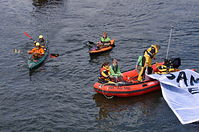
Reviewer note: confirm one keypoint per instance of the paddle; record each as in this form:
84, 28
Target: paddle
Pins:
18, 51
54, 55
28, 35
90, 43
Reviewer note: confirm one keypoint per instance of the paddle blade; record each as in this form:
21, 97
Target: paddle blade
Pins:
90, 42
16, 51
54, 55
27, 35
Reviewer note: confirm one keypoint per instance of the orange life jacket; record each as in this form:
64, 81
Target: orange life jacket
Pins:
37, 51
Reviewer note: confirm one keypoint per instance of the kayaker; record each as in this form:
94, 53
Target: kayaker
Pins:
37, 52
105, 73
147, 61
104, 40
42, 41
115, 74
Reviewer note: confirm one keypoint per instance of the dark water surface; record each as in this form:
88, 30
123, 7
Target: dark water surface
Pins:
60, 96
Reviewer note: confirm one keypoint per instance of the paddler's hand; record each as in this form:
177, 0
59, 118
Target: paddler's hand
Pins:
110, 76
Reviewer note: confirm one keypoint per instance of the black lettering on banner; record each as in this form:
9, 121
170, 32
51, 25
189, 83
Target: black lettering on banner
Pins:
182, 76
171, 77
193, 90
193, 80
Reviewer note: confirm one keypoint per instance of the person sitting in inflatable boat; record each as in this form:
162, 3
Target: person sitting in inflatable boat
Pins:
105, 73
115, 74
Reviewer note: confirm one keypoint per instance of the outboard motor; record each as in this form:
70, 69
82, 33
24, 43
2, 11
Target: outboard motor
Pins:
173, 62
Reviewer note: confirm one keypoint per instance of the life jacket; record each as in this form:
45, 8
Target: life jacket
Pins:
152, 51
37, 51
104, 72
105, 40
41, 40
149, 54
163, 69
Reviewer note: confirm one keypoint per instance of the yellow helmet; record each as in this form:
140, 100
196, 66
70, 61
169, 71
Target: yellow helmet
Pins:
41, 36
37, 44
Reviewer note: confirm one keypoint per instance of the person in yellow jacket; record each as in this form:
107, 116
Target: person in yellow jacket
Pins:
105, 73
147, 61
37, 52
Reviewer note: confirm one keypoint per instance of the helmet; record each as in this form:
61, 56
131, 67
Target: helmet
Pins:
41, 36
37, 44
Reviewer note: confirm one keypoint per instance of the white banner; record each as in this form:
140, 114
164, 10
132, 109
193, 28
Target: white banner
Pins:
181, 92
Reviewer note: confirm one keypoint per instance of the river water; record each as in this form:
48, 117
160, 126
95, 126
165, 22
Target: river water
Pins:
59, 96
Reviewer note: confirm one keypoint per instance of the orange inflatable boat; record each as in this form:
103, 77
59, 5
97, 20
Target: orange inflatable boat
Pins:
103, 49
131, 87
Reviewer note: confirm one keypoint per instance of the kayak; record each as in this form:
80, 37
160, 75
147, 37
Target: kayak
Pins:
35, 63
94, 51
130, 86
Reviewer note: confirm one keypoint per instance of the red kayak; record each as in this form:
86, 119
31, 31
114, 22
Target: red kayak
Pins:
131, 87
103, 49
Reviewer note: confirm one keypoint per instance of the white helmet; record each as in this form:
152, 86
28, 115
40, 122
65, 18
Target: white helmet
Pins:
41, 36
37, 44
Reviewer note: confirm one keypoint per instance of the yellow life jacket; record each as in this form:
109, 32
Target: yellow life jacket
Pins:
162, 69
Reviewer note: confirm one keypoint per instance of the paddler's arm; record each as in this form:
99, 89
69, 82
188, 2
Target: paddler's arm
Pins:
31, 51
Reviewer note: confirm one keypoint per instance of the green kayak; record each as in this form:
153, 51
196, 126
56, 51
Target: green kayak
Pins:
35, 63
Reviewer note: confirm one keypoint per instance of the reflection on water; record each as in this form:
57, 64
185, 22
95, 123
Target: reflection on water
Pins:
46, 2
45, 14
39, 2
100, 59
139, 106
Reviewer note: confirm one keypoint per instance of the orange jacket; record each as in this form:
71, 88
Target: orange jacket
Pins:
37, 51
